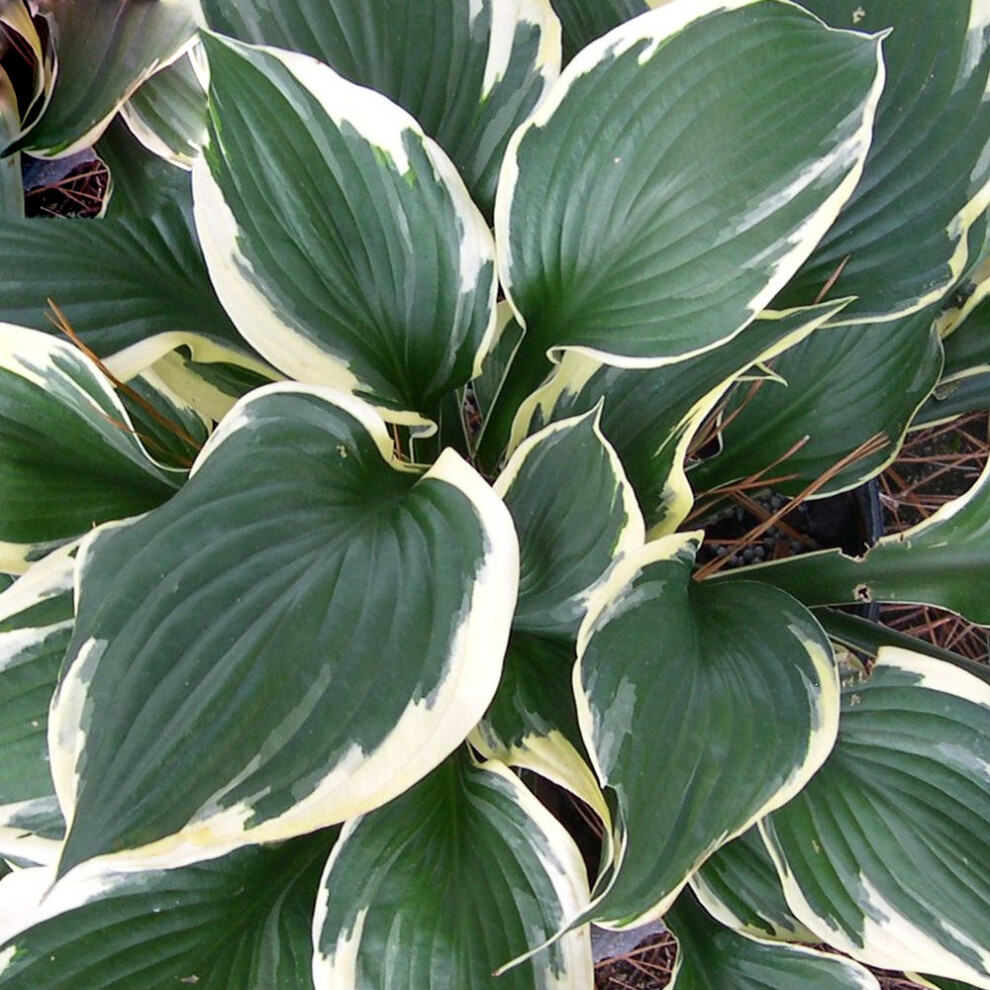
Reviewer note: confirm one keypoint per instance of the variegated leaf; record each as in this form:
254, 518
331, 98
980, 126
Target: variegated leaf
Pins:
650, 415
303, 632
36, 620
503, 55
710, 957
884, 853
105, 51
132, 287
582, 21
69, 457
237, 923
738, 885
411, 890
714, 708
374, 272
614, 239
930, 181
838, 389
943, 561
167, 114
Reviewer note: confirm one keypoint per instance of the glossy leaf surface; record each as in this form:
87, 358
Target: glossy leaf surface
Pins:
650, 415
604, 214
105, 51
68, 456
469, 73
711, 957
237, 923
840, 387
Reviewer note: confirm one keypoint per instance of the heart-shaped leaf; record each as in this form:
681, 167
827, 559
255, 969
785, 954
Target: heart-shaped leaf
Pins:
503, 54
651, 207
303, 632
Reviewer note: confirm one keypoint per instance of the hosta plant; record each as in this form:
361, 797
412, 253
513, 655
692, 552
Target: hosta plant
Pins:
360, 471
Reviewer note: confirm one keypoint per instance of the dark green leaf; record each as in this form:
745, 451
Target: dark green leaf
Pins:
469, 73
136, 283
168, 113
738, 885
650, 415
840, 388
905, 230
615, 238
68, 455
711, 957
583, 21
105, 51
576, 516
943, 561
371, 270
303, 632
884, 853
453, 879
713, 708
237, 923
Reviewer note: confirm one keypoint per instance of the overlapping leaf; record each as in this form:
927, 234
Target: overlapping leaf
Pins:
238, 923
299, 635
69, 458
140, 182
739, 886
412, 891
168, 112
714, 708
902, 240
943, 561
136, 283
105, 51
469, 73
839, 389
651, 414
582, 21
576, 517
652, 206
710, 957
36, 619
884, 853
371, 270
